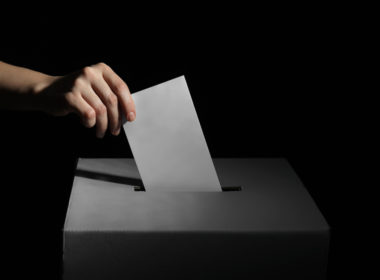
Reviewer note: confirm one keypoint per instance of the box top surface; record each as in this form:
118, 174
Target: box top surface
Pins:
272, 199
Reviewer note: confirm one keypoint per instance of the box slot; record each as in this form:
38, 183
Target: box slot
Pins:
136, 183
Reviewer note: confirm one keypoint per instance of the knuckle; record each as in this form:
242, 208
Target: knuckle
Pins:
89, 115
102, 65
100, 109
71, 98
88, 72
78, 83
120, 87
88, 118
112, 99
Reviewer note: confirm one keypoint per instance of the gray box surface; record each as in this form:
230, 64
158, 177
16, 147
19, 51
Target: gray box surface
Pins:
271, 229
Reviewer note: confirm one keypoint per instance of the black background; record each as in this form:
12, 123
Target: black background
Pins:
265, 83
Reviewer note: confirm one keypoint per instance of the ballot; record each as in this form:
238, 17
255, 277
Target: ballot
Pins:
167, 141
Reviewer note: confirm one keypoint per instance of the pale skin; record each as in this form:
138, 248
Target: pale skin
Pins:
95, 93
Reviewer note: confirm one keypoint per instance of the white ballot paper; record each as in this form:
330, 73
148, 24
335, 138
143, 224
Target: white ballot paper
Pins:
167, 141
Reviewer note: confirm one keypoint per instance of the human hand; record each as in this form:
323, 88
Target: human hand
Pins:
95, 93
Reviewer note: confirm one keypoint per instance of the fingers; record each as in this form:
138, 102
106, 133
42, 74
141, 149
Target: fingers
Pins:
82, 109
110, 100
100, 97
120, 89
100, 109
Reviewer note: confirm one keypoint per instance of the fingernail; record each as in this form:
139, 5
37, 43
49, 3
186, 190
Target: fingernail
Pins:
131, 116
99, 135
116, 132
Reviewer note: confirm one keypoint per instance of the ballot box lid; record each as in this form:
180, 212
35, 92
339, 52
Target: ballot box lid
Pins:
272, 199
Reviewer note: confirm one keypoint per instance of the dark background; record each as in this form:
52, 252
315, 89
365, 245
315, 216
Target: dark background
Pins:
265, 83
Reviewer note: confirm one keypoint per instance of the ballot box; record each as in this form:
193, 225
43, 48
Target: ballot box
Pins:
263, 225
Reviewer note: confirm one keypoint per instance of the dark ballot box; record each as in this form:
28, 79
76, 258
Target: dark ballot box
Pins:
263, 225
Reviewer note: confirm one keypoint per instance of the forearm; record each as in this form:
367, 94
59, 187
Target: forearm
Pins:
19, 87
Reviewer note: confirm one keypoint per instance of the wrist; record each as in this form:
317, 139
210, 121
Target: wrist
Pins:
42, 83
38, 100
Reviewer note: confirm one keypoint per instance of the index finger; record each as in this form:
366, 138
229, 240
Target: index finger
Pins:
120, 88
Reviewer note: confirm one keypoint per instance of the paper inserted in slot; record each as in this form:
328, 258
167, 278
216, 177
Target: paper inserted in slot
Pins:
167, 141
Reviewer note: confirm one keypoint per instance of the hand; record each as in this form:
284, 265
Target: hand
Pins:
95, 93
